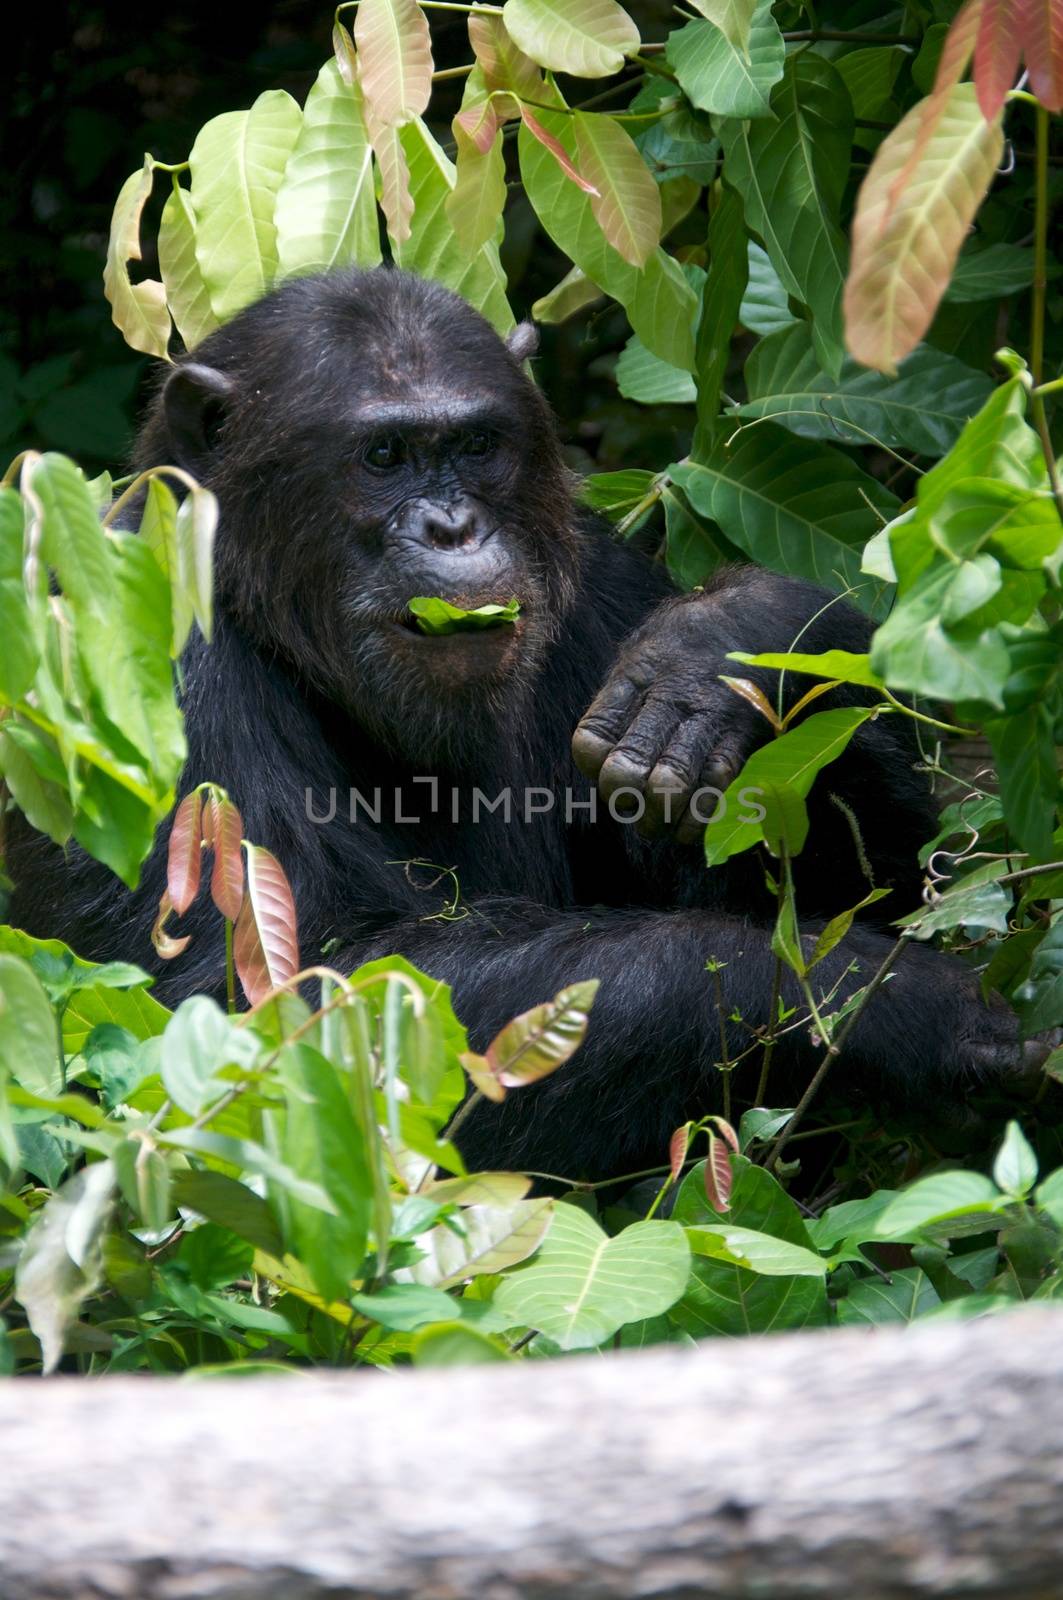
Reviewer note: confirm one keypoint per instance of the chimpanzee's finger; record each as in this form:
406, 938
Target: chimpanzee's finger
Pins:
635, 756
675, 776
728, 757
604, 722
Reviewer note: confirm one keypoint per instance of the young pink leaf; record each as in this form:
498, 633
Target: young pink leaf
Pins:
904, 250
677, 1150
556, 149
626, 199
265, 939
996, 55
1041, 25
184, 859
394, 59
480, 123
481, 1076
718, 1175
955, 54
396, 200
504, 65
727, 1133
540, 1040
226, 831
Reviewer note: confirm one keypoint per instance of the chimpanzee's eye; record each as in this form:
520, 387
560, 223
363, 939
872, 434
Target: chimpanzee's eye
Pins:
385, 454
478, 443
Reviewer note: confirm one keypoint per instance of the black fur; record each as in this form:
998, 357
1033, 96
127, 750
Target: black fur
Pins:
313, 684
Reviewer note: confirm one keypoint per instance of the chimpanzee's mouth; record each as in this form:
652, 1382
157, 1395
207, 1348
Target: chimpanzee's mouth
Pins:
494, 620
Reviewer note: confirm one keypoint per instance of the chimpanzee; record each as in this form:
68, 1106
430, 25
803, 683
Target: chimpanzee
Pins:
371, 439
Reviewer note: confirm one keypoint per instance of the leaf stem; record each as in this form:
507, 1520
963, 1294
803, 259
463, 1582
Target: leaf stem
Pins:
230, 970
1038, 415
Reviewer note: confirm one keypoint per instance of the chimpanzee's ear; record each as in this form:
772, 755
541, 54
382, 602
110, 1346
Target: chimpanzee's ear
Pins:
523, 341
194, 402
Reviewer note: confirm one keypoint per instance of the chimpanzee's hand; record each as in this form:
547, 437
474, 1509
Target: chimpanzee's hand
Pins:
665, 726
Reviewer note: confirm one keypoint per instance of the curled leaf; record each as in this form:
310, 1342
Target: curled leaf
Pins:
166, 946
747, 690
137, 309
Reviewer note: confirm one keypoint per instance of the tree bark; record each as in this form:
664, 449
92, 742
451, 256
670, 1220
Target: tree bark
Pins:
877, 1465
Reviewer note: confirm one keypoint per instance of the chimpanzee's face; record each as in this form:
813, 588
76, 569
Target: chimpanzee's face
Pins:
371, 440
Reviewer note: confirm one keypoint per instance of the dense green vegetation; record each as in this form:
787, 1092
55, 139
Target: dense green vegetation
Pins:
831, 253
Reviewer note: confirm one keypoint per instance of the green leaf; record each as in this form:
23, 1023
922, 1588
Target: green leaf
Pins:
1027, 763
719, 75
1015, 1168
924, 408
642, 376
451, 1344
326, 213
186, 292
616, 492
539, 1041
790, 172
765, 305
941, 1198
29, 1048
18, 660
760, 1252
237, 163
199, 1040
481, 1241
583, 1286
842, 665
978, 905
627, 206
723, 1298
230, 1204
989, 272
405, 1306
790, 762
660, 305
437, 617
905, 1295
870, 76
62, 1260
588, 38
721, 300
138, 309
791, 505
322, 1144
917, 650
433, 249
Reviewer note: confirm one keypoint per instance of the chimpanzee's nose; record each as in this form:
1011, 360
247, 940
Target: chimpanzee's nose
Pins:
452, 526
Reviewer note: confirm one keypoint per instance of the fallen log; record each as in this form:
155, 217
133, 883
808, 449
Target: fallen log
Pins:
881, 1465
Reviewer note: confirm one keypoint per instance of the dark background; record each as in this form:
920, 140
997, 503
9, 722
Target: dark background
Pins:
92, 87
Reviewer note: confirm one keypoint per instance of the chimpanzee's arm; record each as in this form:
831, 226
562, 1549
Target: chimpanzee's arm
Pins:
652, 1055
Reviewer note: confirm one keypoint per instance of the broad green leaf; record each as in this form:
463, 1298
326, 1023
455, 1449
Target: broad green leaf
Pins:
790, 762
198, 1041
437, 617
583, 1286
853, 1221
791, 505
451, 1344
924, 408
158, 529
321, 1143
843, 665
642, 376
1026, 758
29, 1047
248, 1156
237, 164
573, 294
230, 1204
660, 305
394, 59
765, 305
790, 171
721, 300
433, 250
718, 74
989, 272
326, 212
904, 1296
405, 1306
483, 1239
61, 1261
476, 202
977, 905
588, 38
870, 75
677, 143
760, 1252
694, 549
906, 237
916, 649
734, 18
186, 292
1015, 1168
20, 655
723, 1298
137, 309
627, 206
941, 1198
613, 493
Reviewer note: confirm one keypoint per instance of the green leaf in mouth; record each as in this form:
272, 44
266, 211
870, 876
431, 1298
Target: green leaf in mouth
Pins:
436, 617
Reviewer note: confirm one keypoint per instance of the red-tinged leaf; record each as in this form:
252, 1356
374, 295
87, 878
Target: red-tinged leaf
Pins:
505, 66
184, 860
480, 123
627, 205
481, 1076
265, 939
394, 59
748, 690
955, 54
166, 945
996, 55
726, 1132
557, 150
343, 50
1040, 23
396, 199
540, 1040
678, 1145
718, 1175
901, 268
227, 875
